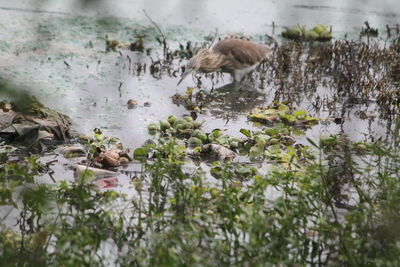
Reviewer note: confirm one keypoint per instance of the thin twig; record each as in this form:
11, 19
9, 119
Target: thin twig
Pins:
164, 40
155, 24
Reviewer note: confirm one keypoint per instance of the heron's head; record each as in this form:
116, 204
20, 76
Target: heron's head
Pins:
197, 63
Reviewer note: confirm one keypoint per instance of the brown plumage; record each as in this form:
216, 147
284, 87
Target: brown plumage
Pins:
235, 56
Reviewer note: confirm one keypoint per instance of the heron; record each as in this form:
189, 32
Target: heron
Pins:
237, 57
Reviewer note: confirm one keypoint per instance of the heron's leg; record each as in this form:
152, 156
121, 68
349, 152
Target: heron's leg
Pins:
237, 85
240, 83
238, 79
243, 78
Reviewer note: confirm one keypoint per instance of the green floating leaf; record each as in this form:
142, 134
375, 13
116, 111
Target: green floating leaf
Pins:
223, 140
154, 126
98, 137
274, 149
165, 125
217, 133
194, 142
289, 118
246, 132
200, 134
256, 152
262, 139
172, 119
140, 152
300, 114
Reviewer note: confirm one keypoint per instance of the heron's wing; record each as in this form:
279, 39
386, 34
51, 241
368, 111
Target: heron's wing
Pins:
240, 53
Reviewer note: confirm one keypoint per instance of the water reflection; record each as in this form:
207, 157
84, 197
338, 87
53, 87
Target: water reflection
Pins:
232, 100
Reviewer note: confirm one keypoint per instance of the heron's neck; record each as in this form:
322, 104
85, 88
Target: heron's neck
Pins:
212, 62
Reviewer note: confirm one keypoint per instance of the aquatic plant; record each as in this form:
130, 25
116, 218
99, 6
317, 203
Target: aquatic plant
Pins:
229, 212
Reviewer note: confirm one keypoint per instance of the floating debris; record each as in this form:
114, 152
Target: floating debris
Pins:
188, 99
105, 152
72, 151
138, 45
112, 45
109, 159
132, 103
32, 125
220, 151
112, 158
106, 183
89, 174
368, 31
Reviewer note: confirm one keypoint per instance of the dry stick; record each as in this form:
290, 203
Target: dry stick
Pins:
119, 89
388, 31
164, 40
130, 63
388, 34
273, 27
51, 177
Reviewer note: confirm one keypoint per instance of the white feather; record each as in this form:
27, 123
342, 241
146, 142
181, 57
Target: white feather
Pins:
240, 73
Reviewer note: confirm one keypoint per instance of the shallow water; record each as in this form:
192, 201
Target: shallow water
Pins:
56, 49
231, 15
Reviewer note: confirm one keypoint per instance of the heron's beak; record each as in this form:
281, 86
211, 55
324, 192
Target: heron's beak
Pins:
185, 74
